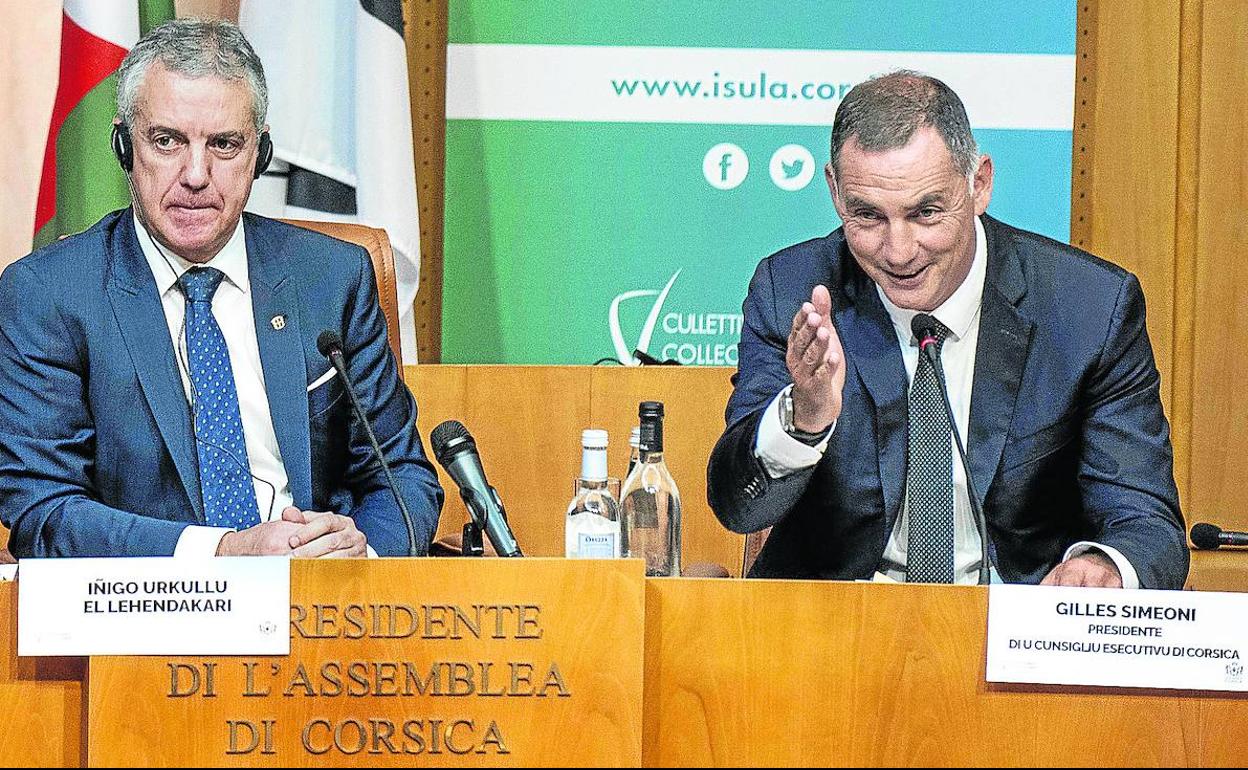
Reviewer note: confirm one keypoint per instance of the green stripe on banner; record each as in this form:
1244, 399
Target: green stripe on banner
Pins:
89, 183
883, 25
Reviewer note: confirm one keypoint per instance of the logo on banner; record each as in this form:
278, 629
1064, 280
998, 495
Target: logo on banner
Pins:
692, 338
792, 167
623, 352
725, 166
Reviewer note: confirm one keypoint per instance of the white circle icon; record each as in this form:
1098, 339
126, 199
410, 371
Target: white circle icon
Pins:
725, 166
792, 167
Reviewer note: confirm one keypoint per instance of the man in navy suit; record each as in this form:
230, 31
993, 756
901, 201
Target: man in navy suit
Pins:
161, 390
836, 435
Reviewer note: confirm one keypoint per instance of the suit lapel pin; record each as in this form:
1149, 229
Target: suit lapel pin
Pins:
278, 322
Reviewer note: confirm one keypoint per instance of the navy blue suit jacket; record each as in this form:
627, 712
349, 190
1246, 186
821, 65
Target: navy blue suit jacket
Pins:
97, 454
1067, 438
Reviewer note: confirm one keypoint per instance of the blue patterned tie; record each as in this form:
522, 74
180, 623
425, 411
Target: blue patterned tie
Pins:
929, 477
224, 472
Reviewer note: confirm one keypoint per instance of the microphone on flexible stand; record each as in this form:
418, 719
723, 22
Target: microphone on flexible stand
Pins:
923, 326
1210, 537
457, 452
329, 343
645, 359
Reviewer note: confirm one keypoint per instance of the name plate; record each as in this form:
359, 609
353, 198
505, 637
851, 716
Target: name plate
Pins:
154, 606
1181, 640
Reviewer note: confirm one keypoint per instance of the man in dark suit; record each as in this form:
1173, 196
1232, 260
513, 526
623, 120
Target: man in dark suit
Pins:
837, 436
161, 389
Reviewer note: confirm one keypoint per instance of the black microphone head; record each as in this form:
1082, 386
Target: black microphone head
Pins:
645, 358
923, 325
1205, 536
448, 439
328, 342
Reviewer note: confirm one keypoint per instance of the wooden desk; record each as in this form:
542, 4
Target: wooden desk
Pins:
40, 700
794, 673
735, 673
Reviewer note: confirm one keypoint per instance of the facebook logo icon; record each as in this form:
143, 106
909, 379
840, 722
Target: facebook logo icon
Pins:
725, 166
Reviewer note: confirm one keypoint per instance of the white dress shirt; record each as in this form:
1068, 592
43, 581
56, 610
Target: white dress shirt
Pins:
231, 306
781, 454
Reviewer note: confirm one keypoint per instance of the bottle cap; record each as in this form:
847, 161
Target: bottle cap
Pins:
634, 437
592, 438
650, 409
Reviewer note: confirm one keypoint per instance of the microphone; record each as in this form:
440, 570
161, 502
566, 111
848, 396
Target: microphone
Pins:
457, 452
646, 359
330, 345
1209, 537
923, 326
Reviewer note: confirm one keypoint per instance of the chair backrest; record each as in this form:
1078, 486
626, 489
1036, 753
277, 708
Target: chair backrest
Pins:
378, 245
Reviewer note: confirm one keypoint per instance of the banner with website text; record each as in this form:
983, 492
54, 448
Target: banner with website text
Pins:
615, 172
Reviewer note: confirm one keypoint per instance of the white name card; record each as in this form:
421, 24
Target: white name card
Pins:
154, 606
1181, 640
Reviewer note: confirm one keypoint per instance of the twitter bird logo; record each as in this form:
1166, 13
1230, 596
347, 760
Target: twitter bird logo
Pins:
791, 170
792, 167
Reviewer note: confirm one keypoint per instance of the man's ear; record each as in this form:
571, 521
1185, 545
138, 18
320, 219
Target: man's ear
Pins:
830, 176
982, 191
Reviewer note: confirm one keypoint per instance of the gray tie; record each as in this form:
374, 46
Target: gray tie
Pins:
929, 477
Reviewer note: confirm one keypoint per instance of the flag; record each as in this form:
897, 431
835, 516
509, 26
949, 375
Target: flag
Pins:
81, 180
340, 119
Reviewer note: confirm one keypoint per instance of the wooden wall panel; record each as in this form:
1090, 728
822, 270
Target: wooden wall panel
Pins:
694, 400
1125, 150
426, 75
1161, 186
527, 422
1220, 198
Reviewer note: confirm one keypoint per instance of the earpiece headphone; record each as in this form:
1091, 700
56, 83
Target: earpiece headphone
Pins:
123, 148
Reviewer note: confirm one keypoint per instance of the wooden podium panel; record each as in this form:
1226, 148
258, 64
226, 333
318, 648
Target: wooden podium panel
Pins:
796, 673
548, 674
1225, 569
693, 399
527, 422
40, 700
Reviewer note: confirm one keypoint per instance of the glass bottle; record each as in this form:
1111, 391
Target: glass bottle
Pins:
634, 449
592, 526
650, 506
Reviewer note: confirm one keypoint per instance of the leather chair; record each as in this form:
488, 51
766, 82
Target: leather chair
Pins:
378, 245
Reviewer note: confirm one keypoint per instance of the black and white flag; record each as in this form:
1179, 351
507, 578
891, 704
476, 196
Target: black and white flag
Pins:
340, 117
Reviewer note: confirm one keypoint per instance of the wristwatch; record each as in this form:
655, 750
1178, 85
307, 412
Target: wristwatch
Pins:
786, 422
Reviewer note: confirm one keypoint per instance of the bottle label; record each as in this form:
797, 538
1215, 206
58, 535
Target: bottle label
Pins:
590, 536
598, 546
651, 436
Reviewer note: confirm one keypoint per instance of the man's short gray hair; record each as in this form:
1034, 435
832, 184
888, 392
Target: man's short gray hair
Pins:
883, 113
195, 48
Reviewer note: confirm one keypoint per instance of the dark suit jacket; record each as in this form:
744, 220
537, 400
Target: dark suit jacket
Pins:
97, 455
1067, 439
